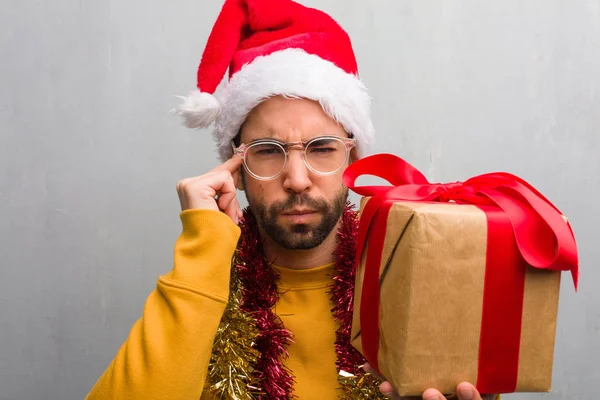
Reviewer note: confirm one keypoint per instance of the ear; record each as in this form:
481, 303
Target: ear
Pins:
353, 156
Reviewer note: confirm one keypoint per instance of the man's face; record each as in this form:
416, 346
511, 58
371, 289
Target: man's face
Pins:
299, 208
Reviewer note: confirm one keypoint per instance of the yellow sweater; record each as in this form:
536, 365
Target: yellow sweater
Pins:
168, 349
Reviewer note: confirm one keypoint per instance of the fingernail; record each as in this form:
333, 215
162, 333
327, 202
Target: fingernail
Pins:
465, 393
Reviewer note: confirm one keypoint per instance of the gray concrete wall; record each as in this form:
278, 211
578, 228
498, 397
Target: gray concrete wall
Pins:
89, 156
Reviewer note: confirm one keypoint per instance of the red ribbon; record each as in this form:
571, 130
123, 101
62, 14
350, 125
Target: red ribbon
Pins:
524, 228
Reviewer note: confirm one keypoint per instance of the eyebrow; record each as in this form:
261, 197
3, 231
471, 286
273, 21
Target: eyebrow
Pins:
270, 133
329, 139
264, 138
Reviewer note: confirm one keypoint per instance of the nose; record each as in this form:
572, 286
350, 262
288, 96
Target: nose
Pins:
296, 174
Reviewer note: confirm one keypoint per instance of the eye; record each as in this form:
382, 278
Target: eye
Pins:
324, 146
265, 150
323, 149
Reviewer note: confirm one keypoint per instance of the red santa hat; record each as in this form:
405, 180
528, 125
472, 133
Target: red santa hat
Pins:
276, 47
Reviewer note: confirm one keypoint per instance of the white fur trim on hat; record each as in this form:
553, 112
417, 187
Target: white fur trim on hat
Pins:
294, 73
199, 110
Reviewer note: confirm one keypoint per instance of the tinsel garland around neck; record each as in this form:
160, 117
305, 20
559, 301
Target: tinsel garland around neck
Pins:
249, 350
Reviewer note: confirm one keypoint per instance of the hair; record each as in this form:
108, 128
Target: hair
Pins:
238, 138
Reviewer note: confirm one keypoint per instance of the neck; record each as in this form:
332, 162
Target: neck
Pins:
301, 259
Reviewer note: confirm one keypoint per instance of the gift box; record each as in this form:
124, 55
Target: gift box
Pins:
457, 282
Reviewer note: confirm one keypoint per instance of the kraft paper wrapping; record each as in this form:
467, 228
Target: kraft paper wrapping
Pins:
431, 282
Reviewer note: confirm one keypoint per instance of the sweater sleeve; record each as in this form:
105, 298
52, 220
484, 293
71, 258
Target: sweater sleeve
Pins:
168, 349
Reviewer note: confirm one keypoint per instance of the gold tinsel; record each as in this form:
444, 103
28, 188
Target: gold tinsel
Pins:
231, 368
364, 386
231, 372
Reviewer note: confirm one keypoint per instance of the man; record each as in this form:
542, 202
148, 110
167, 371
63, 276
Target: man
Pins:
292, 116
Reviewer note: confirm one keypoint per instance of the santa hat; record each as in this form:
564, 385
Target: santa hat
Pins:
276, 47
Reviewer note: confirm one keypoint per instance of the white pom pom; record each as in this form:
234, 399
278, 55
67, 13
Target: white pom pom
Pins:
198, 110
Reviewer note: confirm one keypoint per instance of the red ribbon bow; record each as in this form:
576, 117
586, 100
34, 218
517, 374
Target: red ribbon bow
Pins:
544, 239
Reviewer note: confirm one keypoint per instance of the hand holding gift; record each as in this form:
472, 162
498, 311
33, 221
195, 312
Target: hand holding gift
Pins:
464, 390
457, 282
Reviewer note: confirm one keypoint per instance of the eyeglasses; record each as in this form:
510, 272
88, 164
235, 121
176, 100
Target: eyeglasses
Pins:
265, 159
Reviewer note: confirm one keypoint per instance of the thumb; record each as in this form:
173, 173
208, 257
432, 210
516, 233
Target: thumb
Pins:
467, 391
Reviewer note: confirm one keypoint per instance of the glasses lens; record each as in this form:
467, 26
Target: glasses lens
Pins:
326, 155
265, 160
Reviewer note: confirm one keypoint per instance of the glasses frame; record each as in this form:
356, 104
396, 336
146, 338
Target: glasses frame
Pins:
349, 144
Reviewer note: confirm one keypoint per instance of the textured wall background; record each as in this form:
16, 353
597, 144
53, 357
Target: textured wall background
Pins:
89, 156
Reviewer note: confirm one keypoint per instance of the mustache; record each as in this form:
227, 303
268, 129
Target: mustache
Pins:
295, 200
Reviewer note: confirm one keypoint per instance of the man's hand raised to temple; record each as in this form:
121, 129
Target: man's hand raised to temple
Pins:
215, 190
465, 391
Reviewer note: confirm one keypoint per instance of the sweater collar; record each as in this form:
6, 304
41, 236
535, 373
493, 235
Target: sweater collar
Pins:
305, 278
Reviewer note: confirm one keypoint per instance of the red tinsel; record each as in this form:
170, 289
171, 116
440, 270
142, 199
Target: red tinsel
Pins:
342, 293
259, 296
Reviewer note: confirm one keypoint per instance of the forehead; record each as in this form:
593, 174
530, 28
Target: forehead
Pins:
288, 119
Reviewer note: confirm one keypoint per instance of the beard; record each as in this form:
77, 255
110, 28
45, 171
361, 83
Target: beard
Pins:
299, 236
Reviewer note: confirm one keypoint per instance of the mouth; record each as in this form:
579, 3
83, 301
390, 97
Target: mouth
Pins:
299, 216
299, 212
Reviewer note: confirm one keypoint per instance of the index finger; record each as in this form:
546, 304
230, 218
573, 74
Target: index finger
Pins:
231, 165
370, 370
